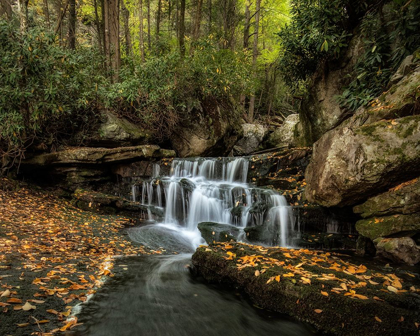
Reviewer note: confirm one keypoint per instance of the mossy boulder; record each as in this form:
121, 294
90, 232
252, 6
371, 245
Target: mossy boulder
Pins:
296, 282
399, 250
217, 232
375, 149
402, 225
285, 135
403, 199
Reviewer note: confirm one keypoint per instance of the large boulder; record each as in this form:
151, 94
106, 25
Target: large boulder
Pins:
117, 131
253, 135
205, 136
399, 250
286, 134
377, 148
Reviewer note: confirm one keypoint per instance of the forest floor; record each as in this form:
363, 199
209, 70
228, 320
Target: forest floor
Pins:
334, 292
52, 257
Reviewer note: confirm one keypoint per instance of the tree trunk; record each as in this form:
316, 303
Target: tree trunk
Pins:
23, 14
47, 13
127, 35
6, 8
247, 24
141, 32
62, 13
196, 24
209, 5
149, 35
254, 58
98, 25
158, 16
72, 25
112, 36
182, 29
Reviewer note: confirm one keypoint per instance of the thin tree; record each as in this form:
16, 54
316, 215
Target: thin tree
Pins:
71, 35
98, 25
23, 14
254, 57
182, 29
47, 13
149, 35
247, 24
6, 8
158, 18
126, 23
112, 36
141, 32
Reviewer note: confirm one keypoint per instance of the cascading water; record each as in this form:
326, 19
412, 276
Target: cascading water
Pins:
214, 190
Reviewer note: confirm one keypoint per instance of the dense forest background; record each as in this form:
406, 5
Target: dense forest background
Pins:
159, 63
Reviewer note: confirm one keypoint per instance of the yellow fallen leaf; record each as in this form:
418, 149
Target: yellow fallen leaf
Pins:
392, 289
324, 293
318, 311
21, 325
277, 278
27, 306
397, 284
378, 319
377, 299
257, 273
6, 293
306, 280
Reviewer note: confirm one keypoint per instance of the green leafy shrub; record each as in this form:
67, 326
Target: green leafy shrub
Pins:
47, 93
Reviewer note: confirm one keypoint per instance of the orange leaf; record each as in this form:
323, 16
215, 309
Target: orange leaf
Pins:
318, 311
378, 319
324, 293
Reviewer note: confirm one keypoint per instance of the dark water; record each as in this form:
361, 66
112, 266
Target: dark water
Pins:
156, 295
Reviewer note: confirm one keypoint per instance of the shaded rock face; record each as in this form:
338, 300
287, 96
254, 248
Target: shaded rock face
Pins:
205, 137
116, 131
286, 135
320, 111
377, 148
391, 219
92, 155
253, 135
400, 250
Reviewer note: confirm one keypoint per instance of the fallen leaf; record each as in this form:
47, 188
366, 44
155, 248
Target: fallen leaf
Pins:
14, 300
27, 306
392, 289
318, 311
378, 319
257, 273
6, 293
21, 325
324, 293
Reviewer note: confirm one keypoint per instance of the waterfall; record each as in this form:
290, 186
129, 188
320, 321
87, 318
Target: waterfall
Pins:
215, 190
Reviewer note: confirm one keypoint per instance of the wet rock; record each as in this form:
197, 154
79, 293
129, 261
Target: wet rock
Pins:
399, 250
216, 232
263, 234
286, 135
89, 155
377, 148
103, 203
365, 247
253, 135
187, 185
403, 225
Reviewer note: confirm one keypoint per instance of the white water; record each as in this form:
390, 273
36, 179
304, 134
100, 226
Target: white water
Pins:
206, 190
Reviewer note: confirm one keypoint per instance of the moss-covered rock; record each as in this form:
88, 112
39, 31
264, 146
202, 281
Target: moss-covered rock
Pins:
217, 232
399, 250
403, 225
403, 199
324, 289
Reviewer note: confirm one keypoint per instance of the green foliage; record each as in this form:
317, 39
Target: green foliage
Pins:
383, 53
318, 30
165, 90
47, 93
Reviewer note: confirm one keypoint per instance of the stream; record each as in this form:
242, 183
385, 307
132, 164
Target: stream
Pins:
157, 295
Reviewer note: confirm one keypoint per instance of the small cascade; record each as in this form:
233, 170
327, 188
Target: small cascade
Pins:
215, 190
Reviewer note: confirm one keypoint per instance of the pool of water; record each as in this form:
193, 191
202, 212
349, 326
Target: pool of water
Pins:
157, 295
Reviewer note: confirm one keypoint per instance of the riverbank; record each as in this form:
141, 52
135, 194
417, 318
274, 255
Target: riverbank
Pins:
52, 257
324, 289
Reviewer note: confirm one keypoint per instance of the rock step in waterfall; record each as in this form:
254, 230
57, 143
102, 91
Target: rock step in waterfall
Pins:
215, 190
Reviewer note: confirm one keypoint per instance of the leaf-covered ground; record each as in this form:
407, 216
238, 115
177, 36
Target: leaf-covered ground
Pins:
52, 256
325, 289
